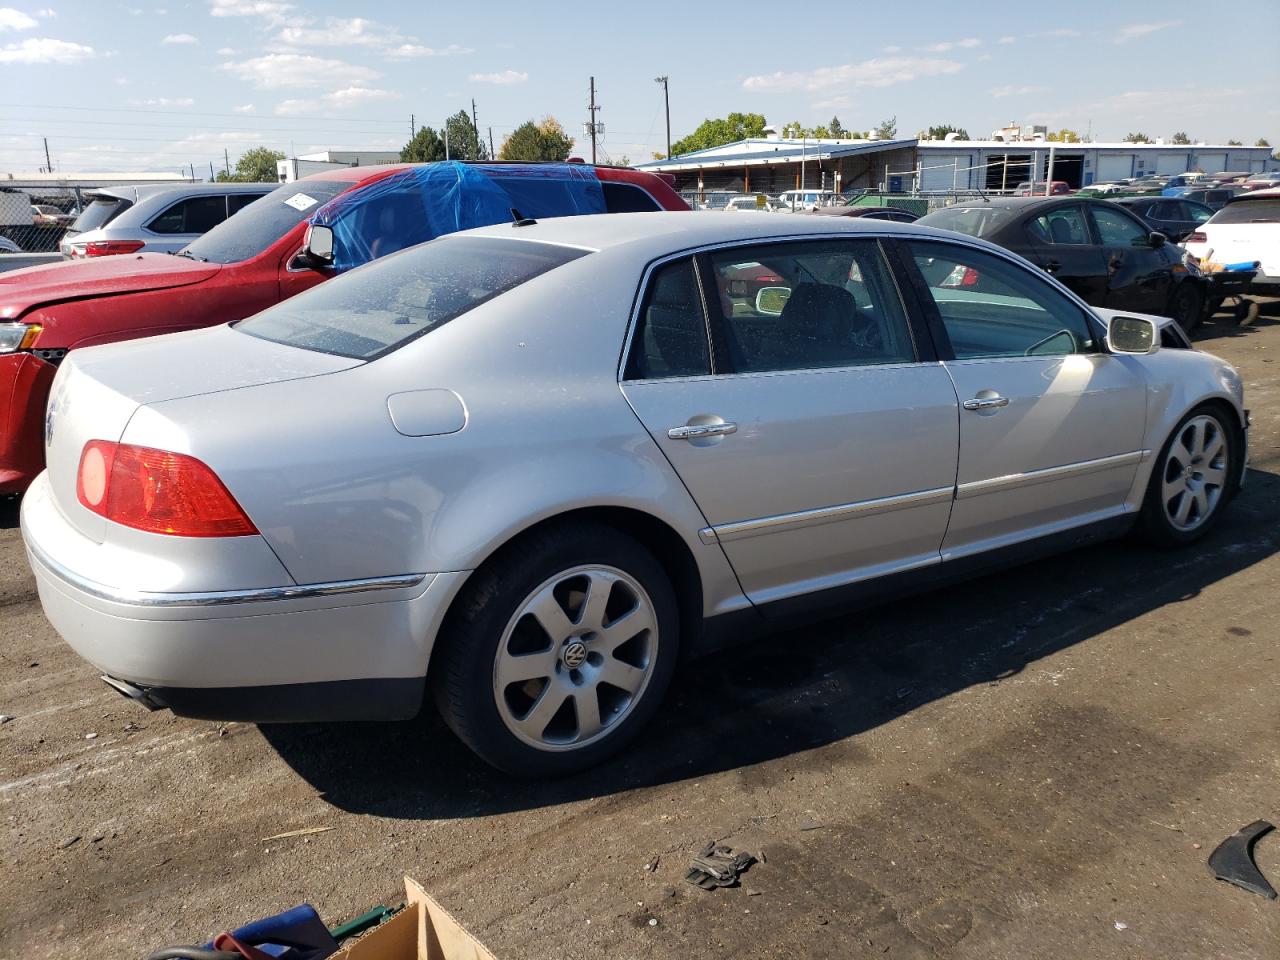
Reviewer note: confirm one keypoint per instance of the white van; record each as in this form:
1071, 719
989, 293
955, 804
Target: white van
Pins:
806, 199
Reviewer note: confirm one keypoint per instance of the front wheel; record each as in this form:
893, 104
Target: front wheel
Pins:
560, 651
1187, 307
1192, 480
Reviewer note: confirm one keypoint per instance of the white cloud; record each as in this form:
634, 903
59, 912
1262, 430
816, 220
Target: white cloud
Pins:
1011, 90
11, 19
45, 13
179, 38
1007, 40
965, 44
45, 50
297, 70
339, 32
164, 102
1059, 32
334, 100
407, 50
503, 79
869, 73
1133, 31
245, 108
984, 56
273, 11
226, 51
833, 103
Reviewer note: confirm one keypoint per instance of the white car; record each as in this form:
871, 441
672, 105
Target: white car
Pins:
1246, 230
751, 203
806, 199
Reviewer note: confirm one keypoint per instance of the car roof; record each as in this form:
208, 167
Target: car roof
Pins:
1026, 202
656, 234
144, 191
1271, 193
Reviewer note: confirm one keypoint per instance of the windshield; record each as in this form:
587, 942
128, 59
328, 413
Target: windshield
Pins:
99, 213
387, 303
975, 221
264, 221
1261, 210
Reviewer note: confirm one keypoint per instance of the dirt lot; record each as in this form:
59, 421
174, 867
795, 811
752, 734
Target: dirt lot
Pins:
1035, 764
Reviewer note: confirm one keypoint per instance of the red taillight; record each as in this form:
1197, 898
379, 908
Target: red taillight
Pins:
1197, 237
157, 491
109, 248
970, 278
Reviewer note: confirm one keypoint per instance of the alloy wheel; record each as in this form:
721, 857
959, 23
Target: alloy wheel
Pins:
575, 658
1194, 473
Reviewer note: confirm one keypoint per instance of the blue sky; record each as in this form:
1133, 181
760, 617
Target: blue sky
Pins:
157, 85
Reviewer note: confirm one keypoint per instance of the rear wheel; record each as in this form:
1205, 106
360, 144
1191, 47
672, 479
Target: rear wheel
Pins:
559, 652
1187, 307
1192, 480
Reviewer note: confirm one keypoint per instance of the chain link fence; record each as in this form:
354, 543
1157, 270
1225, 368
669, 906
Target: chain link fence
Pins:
33, 220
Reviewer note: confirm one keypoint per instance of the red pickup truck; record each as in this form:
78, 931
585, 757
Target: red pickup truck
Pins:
257, 258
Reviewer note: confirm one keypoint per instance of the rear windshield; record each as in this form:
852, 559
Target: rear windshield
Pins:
100, 212
975, 221
385, 304
1261, 210
264, 221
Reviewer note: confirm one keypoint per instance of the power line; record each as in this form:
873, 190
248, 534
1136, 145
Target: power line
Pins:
197, 113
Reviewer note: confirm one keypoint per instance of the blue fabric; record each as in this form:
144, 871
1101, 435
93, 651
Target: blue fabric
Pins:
297, 934
422, 203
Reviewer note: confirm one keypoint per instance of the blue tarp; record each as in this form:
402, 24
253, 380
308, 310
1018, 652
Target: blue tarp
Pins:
420, 204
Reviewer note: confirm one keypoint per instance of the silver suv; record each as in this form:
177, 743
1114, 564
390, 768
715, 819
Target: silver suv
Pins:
156, 217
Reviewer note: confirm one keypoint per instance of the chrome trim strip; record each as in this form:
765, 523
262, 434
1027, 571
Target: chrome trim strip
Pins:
219, 598
977, 488
708, 536
843, 511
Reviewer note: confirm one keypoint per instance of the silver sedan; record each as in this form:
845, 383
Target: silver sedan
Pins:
519, 468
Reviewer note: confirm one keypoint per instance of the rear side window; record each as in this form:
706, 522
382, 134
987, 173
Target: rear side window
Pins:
193, 215
391, 301
627, 198
671, 335
238, 201
1263, 210
100, 212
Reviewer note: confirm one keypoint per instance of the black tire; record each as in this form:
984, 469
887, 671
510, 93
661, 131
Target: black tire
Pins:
1155, 524
462, 672
1186, 306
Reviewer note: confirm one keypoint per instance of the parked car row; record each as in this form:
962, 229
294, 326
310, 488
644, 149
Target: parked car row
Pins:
519, 469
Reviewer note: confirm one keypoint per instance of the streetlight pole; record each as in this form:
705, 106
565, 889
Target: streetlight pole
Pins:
666, 100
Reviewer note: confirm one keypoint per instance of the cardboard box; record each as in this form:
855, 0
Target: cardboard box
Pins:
423, 930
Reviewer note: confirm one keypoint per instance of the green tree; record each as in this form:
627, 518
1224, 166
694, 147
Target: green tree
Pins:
425, 147
837, 129
887, 129
537, 141
1065, 135
793, 130
1262, 142
1180, 138
464, 141
254, 166
1234, 143
940, 132
1136, 138
714, 133
820, 133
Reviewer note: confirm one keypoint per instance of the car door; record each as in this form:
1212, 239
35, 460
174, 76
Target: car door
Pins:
1061, 243
819, 444
1138, 275
1051, 425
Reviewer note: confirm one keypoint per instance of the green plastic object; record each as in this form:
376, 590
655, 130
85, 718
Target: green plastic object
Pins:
364, 922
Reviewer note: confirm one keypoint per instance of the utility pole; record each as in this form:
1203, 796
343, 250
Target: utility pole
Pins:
493, 155
193, 172
48, 164
592, 126
666, 100
211, 171
226, 160
475, 127
413, 129
446, 139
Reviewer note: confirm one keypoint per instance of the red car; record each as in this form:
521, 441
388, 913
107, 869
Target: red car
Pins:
257, 258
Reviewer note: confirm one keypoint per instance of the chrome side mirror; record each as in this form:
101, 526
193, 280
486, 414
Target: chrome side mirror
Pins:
1132, 335
319, 245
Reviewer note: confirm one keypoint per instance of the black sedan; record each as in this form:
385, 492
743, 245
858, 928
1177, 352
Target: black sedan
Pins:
1172, 216
1098, 249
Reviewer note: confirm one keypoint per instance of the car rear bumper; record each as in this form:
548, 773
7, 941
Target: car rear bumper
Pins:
353, 650
24, 393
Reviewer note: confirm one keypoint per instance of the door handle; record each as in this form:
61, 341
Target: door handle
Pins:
694, 431
1053, 266
986, 403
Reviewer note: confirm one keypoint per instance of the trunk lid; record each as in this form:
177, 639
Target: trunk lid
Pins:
21, 290
98, 390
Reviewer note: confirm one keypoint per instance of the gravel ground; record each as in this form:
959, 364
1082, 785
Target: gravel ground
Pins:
1033, 764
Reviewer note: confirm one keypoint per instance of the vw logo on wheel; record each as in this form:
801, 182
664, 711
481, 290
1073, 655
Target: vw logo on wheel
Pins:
575, 654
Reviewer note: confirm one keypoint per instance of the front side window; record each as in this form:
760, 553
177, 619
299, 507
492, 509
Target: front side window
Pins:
394, 300
193, 215
1118, 229
1062, 225
807, 305
993, 308
671, 334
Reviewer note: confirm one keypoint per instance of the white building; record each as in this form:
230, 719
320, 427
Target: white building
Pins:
292, 168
